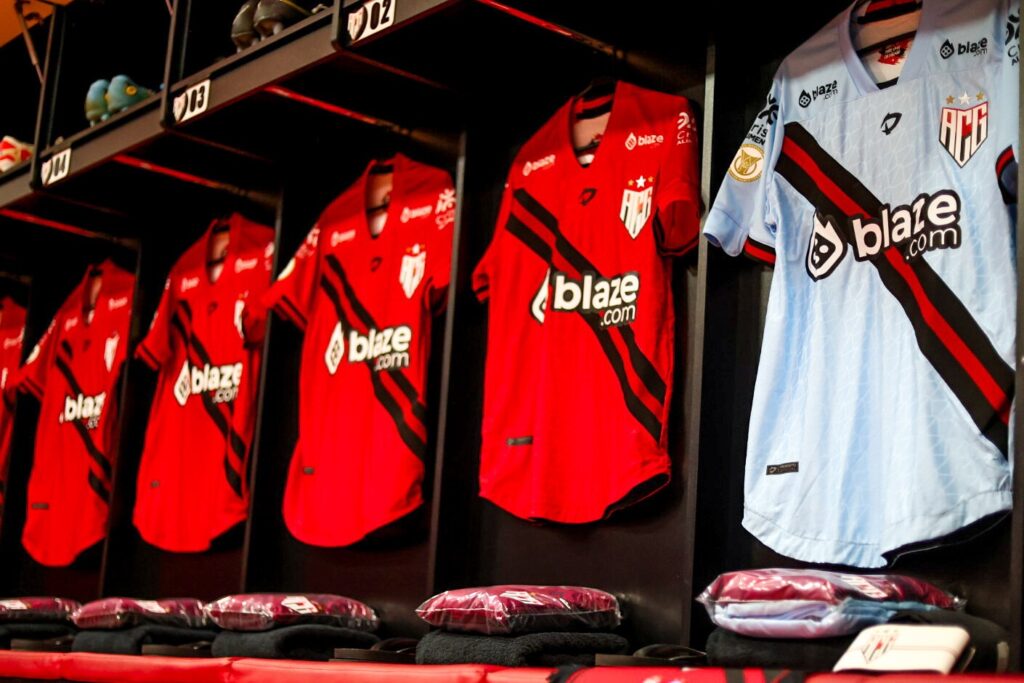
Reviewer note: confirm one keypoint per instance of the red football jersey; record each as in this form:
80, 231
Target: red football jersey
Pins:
580, 340
366, 305
192, 480
12, 332
73, 371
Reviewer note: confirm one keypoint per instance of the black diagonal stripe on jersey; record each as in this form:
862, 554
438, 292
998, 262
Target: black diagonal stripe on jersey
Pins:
149, 355
293, 310
98, 487
67, 348
644, 368
220, 420
636, 407
90, 446
418, 409
951, 365
387, 401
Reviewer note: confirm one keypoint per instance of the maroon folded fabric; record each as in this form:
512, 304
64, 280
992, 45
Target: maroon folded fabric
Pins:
263, 611
110, 613
37, 609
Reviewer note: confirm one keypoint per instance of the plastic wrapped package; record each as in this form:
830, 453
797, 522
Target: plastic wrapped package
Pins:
263, 611
522, 609
111, 613
37, 609
808, 603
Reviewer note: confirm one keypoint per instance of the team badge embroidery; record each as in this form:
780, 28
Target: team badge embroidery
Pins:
414, 265
239, 309
878, 646
963, 126
335, 349
748, 163
636, 204
826, 249
110, 350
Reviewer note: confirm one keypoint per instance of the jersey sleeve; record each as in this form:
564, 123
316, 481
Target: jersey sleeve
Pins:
253, 323
31, 378
155, 348
291, 295
484, 269
677, 221
440, 261
741, 219
1006, 160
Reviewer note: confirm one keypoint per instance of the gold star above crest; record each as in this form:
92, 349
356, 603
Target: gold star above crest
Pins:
630, 183
650, 179
950, 99
980, 96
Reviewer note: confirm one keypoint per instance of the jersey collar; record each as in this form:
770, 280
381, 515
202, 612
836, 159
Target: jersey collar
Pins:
912, 67
398, 164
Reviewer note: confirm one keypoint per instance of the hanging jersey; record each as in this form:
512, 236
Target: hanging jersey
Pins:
882, 405
581, 333
12, 333
192, 480
73, 371
366, 304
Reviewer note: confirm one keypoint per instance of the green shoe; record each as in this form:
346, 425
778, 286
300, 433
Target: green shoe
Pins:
124, 92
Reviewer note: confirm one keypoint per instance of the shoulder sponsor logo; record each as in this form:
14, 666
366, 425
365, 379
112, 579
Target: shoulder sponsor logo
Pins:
963, 128
748, 163
339, 237
758, 133
188, 283
445, 209
890, 121
686, 128
1013, 37
242, 265
545, 162
825, 91
114, 304
414, 266
633, 140
972, 48
70, 322
409, 214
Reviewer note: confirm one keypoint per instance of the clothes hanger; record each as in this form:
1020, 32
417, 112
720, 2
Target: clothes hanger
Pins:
888, 41
888, 9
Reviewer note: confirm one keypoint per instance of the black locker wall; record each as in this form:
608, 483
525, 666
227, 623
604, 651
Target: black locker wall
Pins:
287, 125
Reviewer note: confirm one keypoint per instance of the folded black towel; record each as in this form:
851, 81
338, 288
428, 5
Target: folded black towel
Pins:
532, 649
32, 631
129, 641
991, 641
731, 650
304, 641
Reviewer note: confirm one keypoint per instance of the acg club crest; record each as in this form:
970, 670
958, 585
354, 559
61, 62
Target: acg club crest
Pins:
637, 204
963, 127
414, 265
110, 350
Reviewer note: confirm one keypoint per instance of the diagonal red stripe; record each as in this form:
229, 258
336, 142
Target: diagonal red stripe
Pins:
989, 387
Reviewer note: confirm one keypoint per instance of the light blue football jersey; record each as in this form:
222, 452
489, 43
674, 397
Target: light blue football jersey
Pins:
883, 399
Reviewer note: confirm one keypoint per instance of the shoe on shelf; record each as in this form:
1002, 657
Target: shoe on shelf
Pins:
272, 16
124, 92
243, 33
13, 152
96, 102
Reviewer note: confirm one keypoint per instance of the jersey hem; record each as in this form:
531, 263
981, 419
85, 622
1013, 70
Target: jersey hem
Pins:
217, 531
871, 555
402, 512
663, 468
48, 562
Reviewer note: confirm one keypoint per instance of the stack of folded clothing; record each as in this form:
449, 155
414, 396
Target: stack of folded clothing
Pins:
290, 626
805, 619
520, 626
122, 626
40, 619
